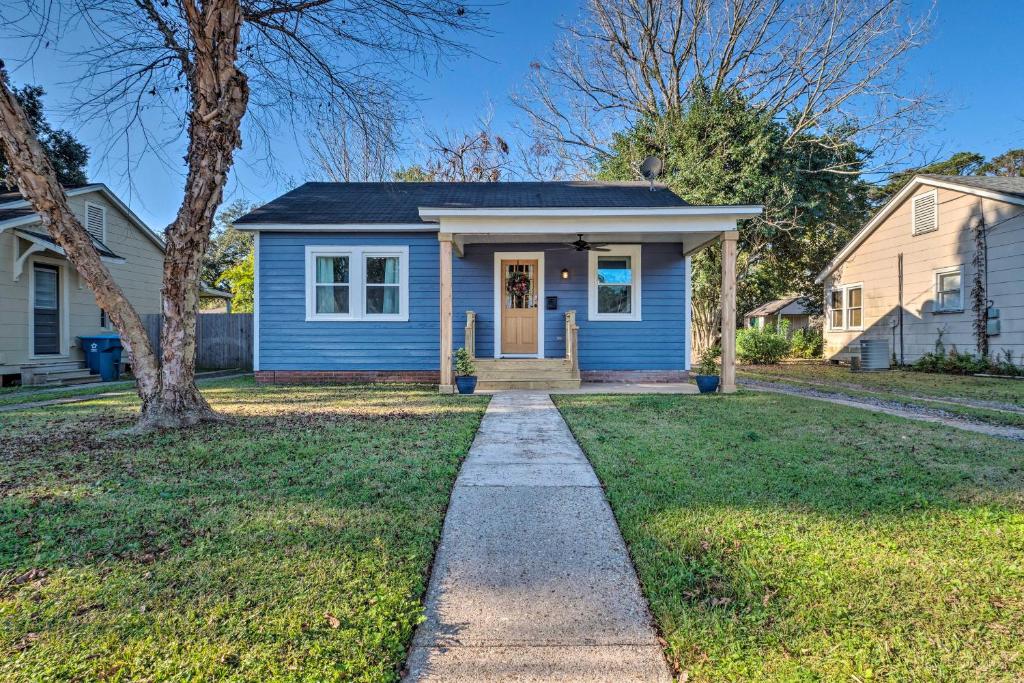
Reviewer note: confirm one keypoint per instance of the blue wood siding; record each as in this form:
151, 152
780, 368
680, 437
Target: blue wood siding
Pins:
288, 342
657, 342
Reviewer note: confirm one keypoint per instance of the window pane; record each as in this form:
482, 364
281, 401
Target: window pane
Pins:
614, 298
949, 282
854, 317
382, 270
46, 289
853, 296
614, 270
332, 269
382, 300
331, 299
837, 318
837, 298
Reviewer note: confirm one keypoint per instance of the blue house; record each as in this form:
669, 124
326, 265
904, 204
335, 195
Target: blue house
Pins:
546, 284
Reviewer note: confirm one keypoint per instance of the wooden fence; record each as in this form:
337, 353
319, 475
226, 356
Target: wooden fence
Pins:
223, 340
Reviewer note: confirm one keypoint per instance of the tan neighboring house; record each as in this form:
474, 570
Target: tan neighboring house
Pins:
45, 306
908, 274
788, 309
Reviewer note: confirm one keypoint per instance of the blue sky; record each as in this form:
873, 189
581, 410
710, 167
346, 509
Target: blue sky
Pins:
972, 59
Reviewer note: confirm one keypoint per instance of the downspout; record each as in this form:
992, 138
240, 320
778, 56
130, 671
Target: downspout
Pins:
899, 260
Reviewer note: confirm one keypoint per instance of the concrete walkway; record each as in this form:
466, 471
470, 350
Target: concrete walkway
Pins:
532, 581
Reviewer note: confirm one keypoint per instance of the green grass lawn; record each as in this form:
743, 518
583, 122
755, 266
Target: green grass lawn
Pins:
896, 381
780, 538
291, 542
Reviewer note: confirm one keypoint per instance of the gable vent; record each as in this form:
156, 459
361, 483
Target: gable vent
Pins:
95, 221
925, 213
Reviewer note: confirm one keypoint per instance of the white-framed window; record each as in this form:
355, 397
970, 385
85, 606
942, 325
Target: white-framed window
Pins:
949, 289
924, 212
368, 283
846, 307
614, 283
96, 221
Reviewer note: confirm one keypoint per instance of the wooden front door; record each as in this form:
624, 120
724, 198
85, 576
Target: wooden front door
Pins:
519, 308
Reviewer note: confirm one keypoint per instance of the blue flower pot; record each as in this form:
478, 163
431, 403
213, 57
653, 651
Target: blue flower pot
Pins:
466, 384
708, 384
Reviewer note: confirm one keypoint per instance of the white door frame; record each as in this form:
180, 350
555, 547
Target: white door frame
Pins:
499, 295
64, 302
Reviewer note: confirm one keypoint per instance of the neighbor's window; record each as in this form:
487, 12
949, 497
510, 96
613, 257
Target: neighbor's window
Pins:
846, 307
949, 293
837, 309
853, 307
615, 283
356, 283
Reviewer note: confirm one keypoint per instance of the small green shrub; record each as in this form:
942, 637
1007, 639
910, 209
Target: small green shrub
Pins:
763, 345
708, 363
951, 362
463, 363
807, 343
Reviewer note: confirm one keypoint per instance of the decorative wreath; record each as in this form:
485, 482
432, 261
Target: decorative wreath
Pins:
518, 284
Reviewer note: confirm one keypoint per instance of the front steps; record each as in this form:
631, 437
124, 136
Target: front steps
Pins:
497, 374
57, 374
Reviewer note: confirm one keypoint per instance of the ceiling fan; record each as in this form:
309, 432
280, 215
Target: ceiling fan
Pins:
583, 245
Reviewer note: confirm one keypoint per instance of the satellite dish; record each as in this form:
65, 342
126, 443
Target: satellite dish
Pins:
651, 169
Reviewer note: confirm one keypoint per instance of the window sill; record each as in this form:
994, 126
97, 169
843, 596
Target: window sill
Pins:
352, 319
609, 318
948, 311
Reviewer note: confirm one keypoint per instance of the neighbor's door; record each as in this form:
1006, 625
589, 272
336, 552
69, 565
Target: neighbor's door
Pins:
46, 310
519, 308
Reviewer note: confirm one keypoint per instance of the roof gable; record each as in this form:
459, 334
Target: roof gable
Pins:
1005, 189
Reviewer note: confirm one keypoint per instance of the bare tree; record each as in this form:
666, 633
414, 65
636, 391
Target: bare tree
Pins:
351, 151
819, 64
205, 61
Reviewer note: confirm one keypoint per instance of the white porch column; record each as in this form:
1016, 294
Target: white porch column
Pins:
729, 311
445, 384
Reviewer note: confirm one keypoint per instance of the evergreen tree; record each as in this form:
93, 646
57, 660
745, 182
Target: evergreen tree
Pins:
68, 156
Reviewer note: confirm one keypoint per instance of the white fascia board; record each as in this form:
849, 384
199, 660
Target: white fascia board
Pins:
94, 187
591, 225
58, 250
336, 227
736, 212
897, 201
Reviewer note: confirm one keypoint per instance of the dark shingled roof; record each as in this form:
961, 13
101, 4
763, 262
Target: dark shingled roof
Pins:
327, 203
1003, 184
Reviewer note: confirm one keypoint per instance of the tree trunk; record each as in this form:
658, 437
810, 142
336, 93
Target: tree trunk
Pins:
37, 181
220, 95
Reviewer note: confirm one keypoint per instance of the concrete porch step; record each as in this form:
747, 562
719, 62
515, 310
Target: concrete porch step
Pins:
64, 377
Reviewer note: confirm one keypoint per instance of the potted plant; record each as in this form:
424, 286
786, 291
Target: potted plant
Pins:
465, 373
707, 371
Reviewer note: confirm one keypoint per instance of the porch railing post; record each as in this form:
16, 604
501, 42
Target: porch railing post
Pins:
469, 341
572, 340
729, 238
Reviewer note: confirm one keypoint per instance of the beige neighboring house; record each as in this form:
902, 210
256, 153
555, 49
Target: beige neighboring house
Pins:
910, 271
788, 309
45, 306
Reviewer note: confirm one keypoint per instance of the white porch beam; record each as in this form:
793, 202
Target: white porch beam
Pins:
445, 383
729, 239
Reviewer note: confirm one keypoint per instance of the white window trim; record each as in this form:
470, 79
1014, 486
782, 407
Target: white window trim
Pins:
631, 250
845, 289
357, 256
945, 271
934, 194
499, 294
103, 211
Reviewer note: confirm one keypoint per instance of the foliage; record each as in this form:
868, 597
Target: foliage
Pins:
784, 539
708, 363
951, 362
1009, 163
722, 150
807, 343
228, 245
290, 542
412, 174
463, 363
961, 163
241, 280
476, 157
763, 345
68, 156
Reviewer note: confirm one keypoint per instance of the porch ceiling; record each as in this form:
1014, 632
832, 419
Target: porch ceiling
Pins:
689, 240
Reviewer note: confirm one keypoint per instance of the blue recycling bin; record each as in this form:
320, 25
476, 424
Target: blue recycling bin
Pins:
94, 345
110, 365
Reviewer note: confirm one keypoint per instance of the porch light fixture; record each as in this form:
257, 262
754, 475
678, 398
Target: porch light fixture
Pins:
565, 273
